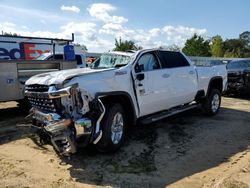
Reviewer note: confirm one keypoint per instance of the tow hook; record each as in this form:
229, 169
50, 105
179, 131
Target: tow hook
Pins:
31, 113
98, 132
67, 143
97, 137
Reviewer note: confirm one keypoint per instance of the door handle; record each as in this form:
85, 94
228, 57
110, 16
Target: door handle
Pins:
191, 72
140, 76
165, 75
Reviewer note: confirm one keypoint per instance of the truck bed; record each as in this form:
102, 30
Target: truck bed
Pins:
205, 73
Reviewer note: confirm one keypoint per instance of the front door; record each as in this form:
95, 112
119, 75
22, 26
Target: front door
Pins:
151, 88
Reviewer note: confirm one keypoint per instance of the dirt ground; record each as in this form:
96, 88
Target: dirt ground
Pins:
187, 150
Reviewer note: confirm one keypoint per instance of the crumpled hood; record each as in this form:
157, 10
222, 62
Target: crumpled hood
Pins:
58, 77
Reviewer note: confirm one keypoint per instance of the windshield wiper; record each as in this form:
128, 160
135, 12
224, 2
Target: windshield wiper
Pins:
100, 67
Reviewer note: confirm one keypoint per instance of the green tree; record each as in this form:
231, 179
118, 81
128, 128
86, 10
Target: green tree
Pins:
235, 48
197, 46
173, 47
125, 45
10, 34
217, 46
245, 36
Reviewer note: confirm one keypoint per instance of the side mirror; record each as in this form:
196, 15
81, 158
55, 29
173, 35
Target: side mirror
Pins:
140, 76
137, 68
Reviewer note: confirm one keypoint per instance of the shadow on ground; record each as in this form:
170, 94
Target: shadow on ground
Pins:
163, 153
153, 155
13, 125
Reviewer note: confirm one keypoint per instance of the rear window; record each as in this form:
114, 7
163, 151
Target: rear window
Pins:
172, 59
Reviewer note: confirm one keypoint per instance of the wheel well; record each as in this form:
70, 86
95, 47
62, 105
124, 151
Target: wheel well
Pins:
216, 83
126, 103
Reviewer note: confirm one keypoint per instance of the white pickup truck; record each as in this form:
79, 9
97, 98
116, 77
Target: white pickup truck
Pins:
96, 104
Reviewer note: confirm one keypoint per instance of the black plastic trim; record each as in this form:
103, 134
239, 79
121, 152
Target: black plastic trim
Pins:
210, 82
118, 93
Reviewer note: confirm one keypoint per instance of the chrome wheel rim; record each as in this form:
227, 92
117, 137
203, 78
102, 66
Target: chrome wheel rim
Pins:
215, 102
117, 128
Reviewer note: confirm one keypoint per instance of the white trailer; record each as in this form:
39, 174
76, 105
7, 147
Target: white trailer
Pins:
14, 73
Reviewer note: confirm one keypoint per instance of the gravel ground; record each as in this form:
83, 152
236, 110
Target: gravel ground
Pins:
187, 150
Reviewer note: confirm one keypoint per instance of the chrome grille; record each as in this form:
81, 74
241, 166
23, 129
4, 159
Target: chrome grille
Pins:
43, 104
37, 88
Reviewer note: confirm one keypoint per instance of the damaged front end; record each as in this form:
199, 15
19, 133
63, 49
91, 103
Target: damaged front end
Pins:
68, 116
239, 81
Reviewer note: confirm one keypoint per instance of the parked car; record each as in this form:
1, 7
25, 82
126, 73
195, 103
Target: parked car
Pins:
97, 104
80, 58
238, 76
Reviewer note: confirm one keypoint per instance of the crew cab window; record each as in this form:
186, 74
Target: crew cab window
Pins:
148, 62
172, 59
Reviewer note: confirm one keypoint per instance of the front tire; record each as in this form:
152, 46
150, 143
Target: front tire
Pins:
113, 128
211, 105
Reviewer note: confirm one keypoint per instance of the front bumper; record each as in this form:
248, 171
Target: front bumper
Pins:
67, 115
63, 132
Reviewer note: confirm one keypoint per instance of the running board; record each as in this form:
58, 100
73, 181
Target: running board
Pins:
165, 114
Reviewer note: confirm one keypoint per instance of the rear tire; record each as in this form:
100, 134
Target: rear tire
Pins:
113, 129
211, 105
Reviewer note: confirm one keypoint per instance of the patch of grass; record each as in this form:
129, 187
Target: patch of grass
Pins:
144, 162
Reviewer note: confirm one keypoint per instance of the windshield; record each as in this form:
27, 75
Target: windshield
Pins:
248, 63
42, 57
110, 61
236, 65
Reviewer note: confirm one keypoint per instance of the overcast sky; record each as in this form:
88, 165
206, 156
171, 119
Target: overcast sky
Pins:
150, 23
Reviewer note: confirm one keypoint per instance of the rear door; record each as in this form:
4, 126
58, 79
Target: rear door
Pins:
182, 76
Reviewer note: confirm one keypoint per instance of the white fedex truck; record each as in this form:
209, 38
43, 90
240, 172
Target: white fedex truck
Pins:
18, 62
29, 48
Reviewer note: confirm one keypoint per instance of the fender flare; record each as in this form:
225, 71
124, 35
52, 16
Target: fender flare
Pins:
211, 81
99, 95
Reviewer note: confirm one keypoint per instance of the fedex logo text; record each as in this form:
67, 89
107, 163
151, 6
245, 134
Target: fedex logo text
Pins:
27, 51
